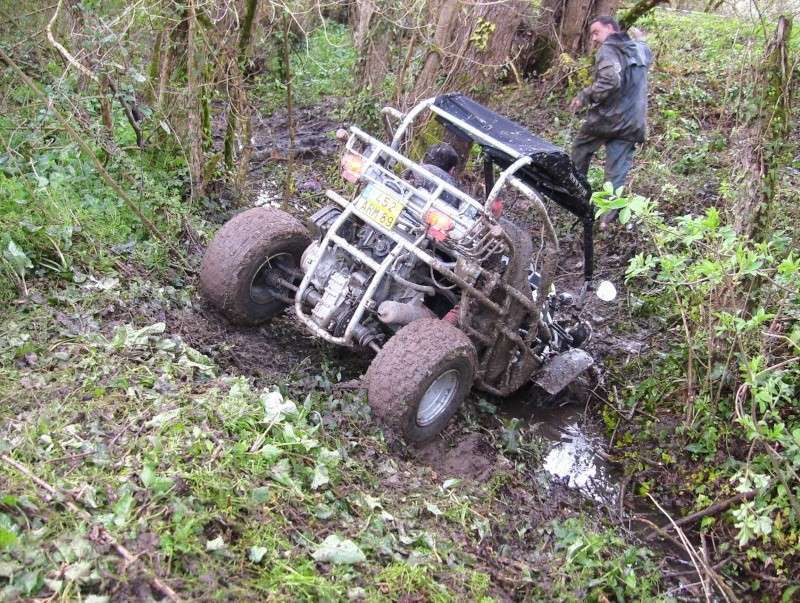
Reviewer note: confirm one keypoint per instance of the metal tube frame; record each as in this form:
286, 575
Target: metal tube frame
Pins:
402, 243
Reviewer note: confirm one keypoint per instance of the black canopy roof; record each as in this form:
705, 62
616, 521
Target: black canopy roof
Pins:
551, 171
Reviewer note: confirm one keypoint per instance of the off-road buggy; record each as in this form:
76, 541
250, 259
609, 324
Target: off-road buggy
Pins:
381, 269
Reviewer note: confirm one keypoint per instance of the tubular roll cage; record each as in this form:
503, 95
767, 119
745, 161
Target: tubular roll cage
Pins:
379, 153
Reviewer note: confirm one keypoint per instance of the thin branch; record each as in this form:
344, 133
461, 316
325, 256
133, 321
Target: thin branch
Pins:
64, 52
714, 509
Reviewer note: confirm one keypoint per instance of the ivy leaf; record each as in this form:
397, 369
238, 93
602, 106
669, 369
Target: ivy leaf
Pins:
338, 551
153, 482
256, 553
122, 509
276, 408
321, 476
17, 258
433, 509
270, 452
260, 494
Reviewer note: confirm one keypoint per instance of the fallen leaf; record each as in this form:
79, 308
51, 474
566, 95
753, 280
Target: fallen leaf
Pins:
215, 545
339, 551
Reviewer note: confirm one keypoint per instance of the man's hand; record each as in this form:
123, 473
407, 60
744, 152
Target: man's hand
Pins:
575, 104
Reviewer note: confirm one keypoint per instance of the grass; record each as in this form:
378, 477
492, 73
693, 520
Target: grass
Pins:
321, 67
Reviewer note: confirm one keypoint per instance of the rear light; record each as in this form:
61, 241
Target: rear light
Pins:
439, 224
497, 208
352, 167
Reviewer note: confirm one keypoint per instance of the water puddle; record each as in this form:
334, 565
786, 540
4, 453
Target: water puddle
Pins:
574, 453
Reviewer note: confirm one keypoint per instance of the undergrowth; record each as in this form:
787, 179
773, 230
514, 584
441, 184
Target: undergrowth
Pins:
59, 218
232, 490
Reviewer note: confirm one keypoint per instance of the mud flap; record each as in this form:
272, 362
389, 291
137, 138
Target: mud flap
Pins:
562, 370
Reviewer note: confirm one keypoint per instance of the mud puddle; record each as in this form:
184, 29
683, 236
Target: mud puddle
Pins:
313, 149
574, 447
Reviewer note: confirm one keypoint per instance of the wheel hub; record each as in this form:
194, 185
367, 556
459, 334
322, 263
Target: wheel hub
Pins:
437, 397
265, 287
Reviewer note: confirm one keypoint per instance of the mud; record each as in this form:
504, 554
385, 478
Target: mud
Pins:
470, 456
313, 148
280, 349
575, 451
571, 471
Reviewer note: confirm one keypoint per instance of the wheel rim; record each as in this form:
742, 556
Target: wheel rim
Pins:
264, 287
437, 397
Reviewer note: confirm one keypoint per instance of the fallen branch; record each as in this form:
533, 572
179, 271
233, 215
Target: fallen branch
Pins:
713, 509
64, 52
99, 532
698, 560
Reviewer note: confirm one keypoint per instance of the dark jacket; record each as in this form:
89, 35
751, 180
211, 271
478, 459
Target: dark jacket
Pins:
617, 98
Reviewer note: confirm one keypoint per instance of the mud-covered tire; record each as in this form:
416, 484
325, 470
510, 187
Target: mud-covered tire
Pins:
241, 251
428, 353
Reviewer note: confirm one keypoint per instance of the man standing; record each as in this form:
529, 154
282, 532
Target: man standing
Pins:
616, 102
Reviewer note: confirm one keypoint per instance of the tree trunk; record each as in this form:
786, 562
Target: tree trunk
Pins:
154, 72
765, 136
286, 68
237, 102
574, 24
442, 43
469, 59
375, 37
195, 131
566, 26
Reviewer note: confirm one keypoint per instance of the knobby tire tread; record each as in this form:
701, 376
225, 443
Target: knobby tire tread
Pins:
245, 240
407, 362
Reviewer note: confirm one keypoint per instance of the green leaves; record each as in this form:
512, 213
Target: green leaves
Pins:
321, 476
155, 483
16, 258
338, 551
752, 522
608, 199
127, 337
7, 538
603, 562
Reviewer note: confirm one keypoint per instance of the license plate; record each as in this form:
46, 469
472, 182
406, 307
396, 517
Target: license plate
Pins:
379, 206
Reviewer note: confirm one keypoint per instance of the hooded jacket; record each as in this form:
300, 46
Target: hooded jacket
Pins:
617, 98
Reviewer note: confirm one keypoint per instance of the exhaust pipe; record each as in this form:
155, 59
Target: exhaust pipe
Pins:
398, 313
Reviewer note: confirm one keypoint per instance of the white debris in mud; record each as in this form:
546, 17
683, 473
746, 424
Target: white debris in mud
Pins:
268, 196
574, 459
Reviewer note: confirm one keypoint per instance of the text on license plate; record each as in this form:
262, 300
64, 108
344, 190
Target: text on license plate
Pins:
380, 207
